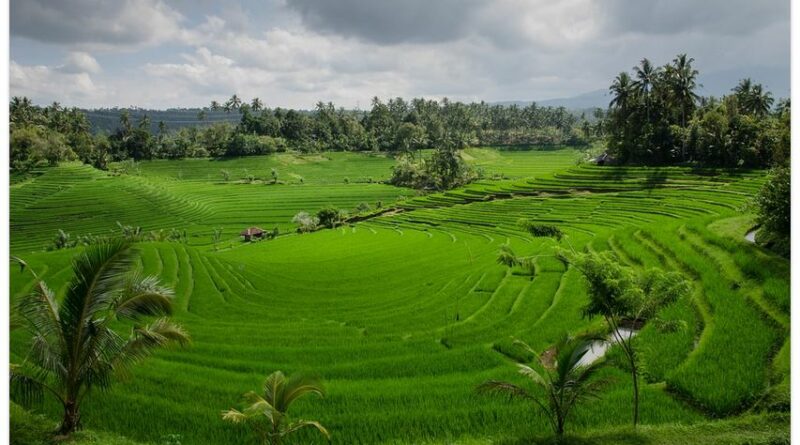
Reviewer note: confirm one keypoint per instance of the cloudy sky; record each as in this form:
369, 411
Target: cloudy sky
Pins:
292, 53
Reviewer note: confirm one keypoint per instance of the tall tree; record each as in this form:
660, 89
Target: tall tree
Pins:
646, 76
683, 83
621, 296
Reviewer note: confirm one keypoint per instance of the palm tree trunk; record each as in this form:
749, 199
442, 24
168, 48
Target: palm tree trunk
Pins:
557, 423
72, 418
683, 125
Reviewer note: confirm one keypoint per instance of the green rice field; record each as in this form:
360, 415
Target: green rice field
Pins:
405, 312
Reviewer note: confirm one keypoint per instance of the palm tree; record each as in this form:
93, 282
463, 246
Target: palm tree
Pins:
73, 346
752, 98
622, 90
279, 393
684, 81
743, 88
646, 76
256, 104
561, 381
233, 103
760, 101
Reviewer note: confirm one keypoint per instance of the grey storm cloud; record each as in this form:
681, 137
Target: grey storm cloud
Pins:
389, 22
722, 17
92, 21
299, 51
427, 21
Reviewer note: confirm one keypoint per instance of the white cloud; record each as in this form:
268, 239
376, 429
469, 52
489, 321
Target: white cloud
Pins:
80, 62
46, 84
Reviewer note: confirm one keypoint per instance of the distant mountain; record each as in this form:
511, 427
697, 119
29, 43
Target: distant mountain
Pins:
575, 104
777, 80
592, 99
715, 83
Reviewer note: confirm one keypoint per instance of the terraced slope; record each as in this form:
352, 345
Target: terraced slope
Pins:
403, 315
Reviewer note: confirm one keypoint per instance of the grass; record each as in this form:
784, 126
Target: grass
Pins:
403, 315
772, 429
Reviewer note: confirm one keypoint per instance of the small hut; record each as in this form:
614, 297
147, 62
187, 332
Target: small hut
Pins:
252, 232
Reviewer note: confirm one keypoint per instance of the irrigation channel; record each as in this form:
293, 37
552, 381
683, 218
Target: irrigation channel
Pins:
599, 347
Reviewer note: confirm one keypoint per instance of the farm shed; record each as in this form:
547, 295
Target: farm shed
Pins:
252, 232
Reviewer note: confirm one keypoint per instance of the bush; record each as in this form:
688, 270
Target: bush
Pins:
773, 202
541, 230
330, 217
442, 171
305, 222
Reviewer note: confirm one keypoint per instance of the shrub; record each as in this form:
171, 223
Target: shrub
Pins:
541, 230
330, 217
305, 222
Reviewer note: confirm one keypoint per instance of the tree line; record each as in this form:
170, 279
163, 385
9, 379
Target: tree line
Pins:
47, 135
656, 118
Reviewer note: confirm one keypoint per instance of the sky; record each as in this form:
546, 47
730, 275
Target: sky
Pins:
294, 53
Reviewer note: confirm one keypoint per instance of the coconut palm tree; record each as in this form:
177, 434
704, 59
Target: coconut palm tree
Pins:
760, 101
279, 392
74, 347
752, 98
559, 378
646, 76
622, 91
684, 81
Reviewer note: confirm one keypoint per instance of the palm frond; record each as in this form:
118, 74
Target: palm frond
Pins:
234, 416
143, 340
298, 386
504, 388
258, 406
39, 310
142, 296
273, 388
532, 374
99, 272
299, 424
24, 388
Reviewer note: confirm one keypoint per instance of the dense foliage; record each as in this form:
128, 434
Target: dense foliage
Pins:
774, 211
656, 117
443, 170
53, 133
47, 135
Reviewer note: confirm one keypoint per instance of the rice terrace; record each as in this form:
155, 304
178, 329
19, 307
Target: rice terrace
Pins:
417, 272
